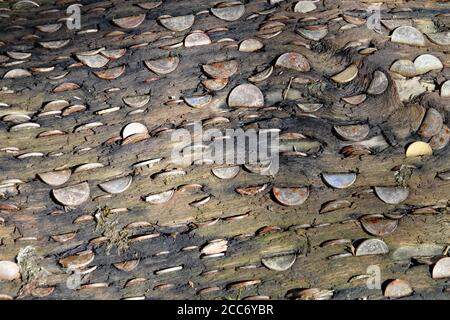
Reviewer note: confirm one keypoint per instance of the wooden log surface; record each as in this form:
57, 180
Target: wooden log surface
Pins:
58, 114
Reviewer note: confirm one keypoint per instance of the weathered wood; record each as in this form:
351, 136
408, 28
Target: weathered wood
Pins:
34, 225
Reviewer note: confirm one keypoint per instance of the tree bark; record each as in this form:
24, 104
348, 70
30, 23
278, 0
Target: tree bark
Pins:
255, 226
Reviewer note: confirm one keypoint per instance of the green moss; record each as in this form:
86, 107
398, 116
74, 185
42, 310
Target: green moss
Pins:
28, 261
402, 175
108, 226
237, 297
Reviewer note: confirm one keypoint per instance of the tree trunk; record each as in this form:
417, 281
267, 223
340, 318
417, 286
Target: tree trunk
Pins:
44, 230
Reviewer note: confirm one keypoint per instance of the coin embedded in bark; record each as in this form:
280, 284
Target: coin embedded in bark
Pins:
93, 61
246, 96
117, 185
395, 23
149, 5
404, 67
65, 237
200, 202
18, 55
335, 205
445, 89
339, 180
347, 75
129, 22
291, 196
66, 86
315, 33
42, 69
310, 107
305, 6
371, 247
215, 84
355, 100
226, 172
55, 178
9, 271
88, 166
56, 105
169, 174
261, 76
58, 44
197, 38
73, 109
49, 28
72, 195
419, 148
215, 246
427, 62
111, 74
17, 73
441, 269
16, 118
281, 262
398, 289
313, 294
250, 45
379, 83
169, 270
30, 154
149, 163
133, 128
408, 35
92, 52
294, 61
392, 195
160, 198
198, 101
440, 38
78, 261
271, 27
355, 21
252, 190
163, 65
221, 70
136, 101
179, 23
432, 123
445, 176
242, 284
25, 4
355, 132
231, 11
127, 266
440, 140
378, 226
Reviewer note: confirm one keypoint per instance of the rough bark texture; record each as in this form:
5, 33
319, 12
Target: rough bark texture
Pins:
255, 226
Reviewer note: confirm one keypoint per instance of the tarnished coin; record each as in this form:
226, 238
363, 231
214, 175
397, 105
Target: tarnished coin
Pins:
378, 226
9, 271
339, 180
441, 269
371, 247
291, 196
279, 262
398, 289
72, 195
392, 195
